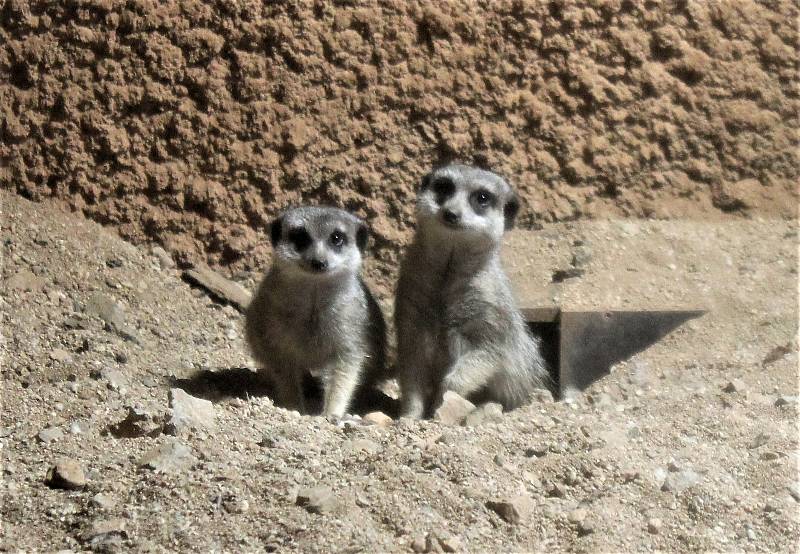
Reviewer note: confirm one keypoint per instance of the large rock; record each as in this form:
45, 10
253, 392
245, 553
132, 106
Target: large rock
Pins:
66, 474
453, 410
188, 412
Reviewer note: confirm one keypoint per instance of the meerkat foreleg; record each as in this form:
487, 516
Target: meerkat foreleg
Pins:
340, 385
289, 390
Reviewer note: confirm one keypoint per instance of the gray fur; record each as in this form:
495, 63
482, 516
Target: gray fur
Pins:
323, 323
458, 327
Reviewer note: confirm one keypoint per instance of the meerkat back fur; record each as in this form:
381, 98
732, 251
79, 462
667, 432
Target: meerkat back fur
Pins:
458, 327
312, 313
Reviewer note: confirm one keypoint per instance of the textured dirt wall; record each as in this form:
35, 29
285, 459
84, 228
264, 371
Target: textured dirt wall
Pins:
193, 123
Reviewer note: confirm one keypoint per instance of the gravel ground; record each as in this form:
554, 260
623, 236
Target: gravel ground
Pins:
690, 445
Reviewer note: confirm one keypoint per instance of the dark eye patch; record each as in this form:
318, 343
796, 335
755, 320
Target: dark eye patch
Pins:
443, 188
338, 239
299, 238
482, 200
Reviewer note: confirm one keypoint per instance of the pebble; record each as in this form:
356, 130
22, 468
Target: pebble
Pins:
454, 409
510, 510
107, 309
450, 543
139, 422
60, 355
188, 412
680, 480
794, 491
759, 440
378, 418
586, 526
171, 457
115, 379
485, 413
786, 400
165, 261
50, 434
103, 501
66, 474
317, 500
735, 386
104, 531
654, 525
577, 515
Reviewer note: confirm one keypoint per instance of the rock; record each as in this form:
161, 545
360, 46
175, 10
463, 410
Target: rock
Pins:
115, 379
786, 401
378, 418
361, 445
735, 386
138, 423
188, 412
107, 309
510, 510
236, 505
50, 434
25, 281
171, 457
317, 500
450, 543
794, 491
759, 440
586, 526
680, 480
66, 474
654, 525
556, 491
419, 545
542, 396
165, 261
776, 354
577, 515
105, 531
491, 411
103, 502
60, 355
219, 287
454, 409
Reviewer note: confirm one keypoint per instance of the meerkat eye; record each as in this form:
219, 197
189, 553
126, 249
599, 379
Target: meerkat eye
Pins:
338, 239
300, 239
483, 198
443, 188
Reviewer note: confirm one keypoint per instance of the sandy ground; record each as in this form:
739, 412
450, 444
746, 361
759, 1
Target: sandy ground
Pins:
690, 445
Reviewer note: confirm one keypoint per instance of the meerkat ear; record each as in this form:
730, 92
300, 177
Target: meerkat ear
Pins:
275, 230
362, 236
425, 183
510, 210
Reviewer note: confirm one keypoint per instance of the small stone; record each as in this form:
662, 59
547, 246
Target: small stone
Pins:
510, 510
105, 531
60, 355
171, 457
586, 526
776, 354
317, 500
236, 506
66, 474
735, 386
419, 545
786, 400
188, 412
654, 525
103, 502
491, 411
165, 261
107, 309
378, 418
768, 456
542, 396
453, 410
138, 423
115, 379
25, 281
556, 491
577, 515
794, 491
758, 441
50, 434
450, 543
361, 445
680, 480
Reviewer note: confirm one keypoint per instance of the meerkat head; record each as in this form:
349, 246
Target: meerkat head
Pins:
467, 202
318, 242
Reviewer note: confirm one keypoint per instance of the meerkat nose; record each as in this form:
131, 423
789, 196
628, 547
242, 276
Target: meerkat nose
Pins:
450, 217
319, 265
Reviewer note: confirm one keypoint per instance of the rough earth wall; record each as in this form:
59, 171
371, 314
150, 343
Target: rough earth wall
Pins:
193, 123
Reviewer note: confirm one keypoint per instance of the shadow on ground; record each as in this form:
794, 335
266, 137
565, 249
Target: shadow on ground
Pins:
241, 382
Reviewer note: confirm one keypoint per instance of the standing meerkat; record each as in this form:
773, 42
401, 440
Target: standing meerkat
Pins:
312, 313
458, 327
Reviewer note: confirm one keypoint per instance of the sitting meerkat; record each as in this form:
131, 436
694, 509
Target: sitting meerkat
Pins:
312, 313
458, 327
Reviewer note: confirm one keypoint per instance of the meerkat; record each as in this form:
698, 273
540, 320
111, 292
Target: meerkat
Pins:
458, 327
312, 313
